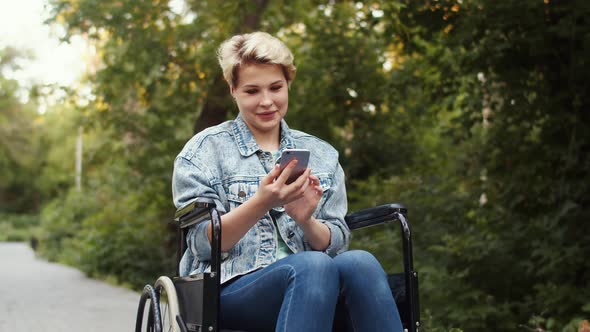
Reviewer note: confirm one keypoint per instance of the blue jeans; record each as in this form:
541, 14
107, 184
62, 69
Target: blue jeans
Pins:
300, 293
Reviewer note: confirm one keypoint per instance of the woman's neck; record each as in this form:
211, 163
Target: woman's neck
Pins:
268, 141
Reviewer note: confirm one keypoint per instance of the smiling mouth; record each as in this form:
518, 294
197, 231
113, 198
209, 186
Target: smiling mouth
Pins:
267, 113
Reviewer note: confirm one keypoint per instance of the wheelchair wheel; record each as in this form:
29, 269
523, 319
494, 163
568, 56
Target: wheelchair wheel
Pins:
148, 311
168, 302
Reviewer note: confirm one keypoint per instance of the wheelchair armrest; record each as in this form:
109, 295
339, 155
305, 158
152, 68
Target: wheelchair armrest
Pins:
193, 212
197, 211
375, 215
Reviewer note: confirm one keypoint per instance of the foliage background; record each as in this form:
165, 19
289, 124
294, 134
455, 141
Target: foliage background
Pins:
472, 113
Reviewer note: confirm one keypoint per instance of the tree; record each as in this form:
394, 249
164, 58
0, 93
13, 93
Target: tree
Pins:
516, 71
18, 142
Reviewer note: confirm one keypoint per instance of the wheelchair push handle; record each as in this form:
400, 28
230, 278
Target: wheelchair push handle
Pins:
375, 215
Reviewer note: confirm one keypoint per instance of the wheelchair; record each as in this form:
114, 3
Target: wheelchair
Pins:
191, 303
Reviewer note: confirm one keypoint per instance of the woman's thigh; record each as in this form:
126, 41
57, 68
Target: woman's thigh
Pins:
359, 266
366, 293
254, 301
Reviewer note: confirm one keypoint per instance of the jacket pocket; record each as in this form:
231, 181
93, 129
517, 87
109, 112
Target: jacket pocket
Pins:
240, 189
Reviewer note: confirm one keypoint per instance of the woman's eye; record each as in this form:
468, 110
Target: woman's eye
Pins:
251, 91
276, 87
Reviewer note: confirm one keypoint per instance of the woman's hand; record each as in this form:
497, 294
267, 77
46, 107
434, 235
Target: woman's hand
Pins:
302, 209
271, 193
300, 200
273, 190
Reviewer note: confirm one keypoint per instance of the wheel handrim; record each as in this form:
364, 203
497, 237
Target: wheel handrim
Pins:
168, 304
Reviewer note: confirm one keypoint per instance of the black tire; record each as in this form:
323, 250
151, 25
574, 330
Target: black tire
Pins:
149, 298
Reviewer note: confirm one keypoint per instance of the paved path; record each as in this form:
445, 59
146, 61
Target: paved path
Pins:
39, 296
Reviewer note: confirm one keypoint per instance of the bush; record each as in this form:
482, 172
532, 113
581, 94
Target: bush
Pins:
113, 233
17, 227
61, 223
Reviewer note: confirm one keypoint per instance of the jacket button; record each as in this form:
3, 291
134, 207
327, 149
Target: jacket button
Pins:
242, 194
291, 234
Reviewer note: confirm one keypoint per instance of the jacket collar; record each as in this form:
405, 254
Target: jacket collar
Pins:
246, 142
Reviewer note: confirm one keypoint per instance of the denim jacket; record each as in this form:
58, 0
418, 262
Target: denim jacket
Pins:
225, 163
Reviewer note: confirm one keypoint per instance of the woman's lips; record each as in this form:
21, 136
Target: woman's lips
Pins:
266, 115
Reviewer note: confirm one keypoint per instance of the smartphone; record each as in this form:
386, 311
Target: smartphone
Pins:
302, 156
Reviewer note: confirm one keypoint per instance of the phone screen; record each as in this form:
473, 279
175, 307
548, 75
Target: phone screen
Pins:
302, 157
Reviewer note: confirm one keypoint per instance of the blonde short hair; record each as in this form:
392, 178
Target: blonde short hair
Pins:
254, 48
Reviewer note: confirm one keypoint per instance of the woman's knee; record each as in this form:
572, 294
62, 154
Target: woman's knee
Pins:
313, 262
357, 257
314, 269
355, 261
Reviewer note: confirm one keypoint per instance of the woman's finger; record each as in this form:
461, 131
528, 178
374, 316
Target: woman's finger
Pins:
272, 175
314, 180
305, 184
303, 178
287, 172
318, 190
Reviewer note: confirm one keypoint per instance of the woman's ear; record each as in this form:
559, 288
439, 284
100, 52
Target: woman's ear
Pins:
232, 91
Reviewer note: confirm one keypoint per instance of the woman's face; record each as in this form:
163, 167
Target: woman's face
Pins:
262, 97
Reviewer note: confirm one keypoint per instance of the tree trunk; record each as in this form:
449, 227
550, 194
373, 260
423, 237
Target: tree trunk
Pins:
215, 108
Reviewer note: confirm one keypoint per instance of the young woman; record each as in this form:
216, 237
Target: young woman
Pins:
285, 263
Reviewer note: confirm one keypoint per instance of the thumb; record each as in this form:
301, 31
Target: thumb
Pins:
272, 175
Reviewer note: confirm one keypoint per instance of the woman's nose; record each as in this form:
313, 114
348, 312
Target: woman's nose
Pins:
266, 100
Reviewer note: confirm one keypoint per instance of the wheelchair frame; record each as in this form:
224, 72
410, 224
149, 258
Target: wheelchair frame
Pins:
197, 296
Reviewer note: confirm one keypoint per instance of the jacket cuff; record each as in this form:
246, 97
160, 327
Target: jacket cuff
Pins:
200, 245
336, 240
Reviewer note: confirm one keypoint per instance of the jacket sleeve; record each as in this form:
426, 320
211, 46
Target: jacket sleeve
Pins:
189, 181
332, 213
